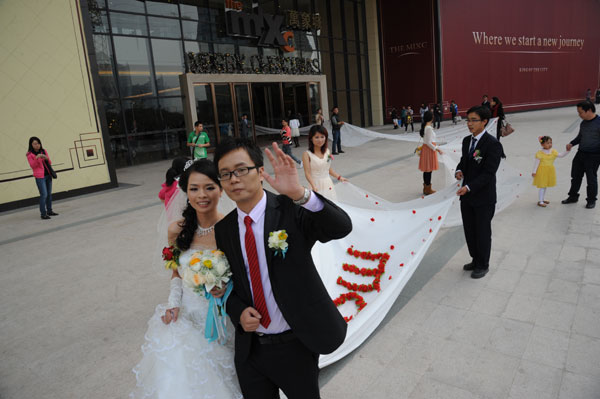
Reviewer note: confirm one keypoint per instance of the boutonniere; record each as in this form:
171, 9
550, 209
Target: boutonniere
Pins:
477, 157
278, 242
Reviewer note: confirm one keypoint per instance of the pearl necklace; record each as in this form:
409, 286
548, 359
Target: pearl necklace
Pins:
201, 231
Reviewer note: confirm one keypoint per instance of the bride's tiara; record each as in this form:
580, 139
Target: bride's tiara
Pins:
188, 164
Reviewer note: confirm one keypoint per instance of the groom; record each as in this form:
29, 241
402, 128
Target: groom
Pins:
283, 315
477, 168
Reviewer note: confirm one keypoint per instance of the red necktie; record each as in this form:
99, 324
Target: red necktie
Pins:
256, 281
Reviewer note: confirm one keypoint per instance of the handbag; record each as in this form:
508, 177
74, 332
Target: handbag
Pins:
506, 128
49, 167
51, 171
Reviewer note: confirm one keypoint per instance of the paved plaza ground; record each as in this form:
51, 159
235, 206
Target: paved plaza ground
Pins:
78, 290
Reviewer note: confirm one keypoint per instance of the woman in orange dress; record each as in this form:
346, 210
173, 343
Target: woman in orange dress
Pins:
428, 161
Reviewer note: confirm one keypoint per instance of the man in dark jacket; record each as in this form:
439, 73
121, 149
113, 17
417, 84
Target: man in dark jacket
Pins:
477, 168
587, 159
336, 127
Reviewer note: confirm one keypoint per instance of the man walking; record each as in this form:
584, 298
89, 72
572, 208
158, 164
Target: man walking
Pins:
198, 141
283, 316
477, 168
336, 127
587, 159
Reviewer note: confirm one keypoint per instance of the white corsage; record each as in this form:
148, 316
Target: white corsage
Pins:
278, 242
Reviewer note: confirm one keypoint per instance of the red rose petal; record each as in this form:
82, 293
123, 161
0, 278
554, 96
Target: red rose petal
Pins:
367, 195
390, 278
401, 264
439, 218
391, 247
414, 211
430, 230
412, 253
376, 203
372, 219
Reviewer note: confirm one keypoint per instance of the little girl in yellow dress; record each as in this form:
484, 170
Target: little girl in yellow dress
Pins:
544, 174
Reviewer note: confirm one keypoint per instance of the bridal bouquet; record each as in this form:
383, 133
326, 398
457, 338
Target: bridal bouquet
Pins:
208, 269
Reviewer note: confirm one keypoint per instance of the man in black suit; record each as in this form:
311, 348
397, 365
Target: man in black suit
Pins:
486, 102
283, 315
477, 168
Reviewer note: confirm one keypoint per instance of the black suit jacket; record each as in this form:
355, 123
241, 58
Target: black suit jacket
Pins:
480, 176
297, 287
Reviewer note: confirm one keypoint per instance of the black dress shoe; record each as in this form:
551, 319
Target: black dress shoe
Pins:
569, 200
334, 153
52, 213
341, 152
479, 273
469, 266
45, 217
590, 205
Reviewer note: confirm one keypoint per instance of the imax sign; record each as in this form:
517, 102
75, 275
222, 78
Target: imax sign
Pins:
268, 28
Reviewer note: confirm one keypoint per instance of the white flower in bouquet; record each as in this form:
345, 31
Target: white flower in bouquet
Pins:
206, 269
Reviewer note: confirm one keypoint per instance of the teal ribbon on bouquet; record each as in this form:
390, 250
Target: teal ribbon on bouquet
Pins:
216, 319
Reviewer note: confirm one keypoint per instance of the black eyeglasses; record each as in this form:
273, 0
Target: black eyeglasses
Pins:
473, 120
243, 171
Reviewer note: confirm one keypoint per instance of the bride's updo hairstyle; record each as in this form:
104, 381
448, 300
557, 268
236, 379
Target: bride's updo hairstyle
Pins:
190, 220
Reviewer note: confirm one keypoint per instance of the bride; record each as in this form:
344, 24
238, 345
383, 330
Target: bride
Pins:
178, 361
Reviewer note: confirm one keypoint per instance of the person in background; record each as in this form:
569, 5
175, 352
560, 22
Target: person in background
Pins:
588, 95
169, 187
598, 95
454, 111
295, 127
409, 119
486, 102
336, 127
498, 112
244, 127
403, 116
319, 118
424, 108
286, 141
437, 115
587, 159
40, 163
317, 163
394, 115
428, 160
198, 141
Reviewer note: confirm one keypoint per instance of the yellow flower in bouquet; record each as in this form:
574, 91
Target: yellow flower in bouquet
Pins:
205, 270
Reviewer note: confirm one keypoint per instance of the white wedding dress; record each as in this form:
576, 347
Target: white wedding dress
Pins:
178, 362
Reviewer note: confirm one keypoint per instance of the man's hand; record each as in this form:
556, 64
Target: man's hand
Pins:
569, 146
286, 180
459, 175
462, 191
250, 319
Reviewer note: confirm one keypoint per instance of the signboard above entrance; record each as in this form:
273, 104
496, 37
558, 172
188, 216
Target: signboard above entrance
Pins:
269, 29
238, 63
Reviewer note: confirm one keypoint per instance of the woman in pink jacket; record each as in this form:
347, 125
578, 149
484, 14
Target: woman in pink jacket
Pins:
40, 164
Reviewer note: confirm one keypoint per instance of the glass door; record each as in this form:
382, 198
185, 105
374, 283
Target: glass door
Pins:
244, 108
224, 105
205, 111
315, 101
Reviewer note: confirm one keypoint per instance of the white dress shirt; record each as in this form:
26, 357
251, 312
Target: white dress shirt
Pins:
278, 323
294, 123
